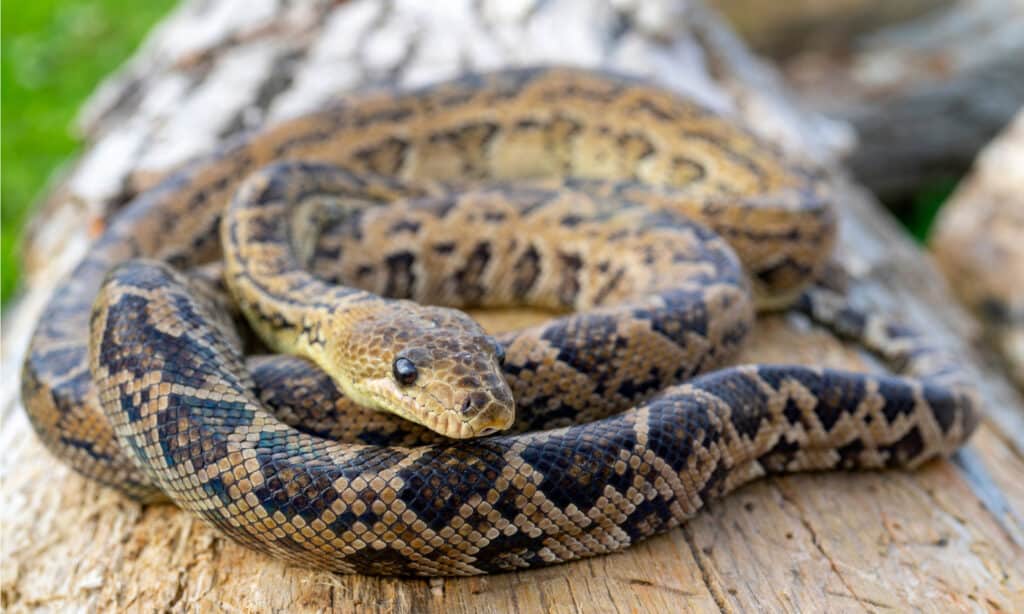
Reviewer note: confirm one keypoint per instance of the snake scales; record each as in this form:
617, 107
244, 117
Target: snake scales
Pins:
650, 219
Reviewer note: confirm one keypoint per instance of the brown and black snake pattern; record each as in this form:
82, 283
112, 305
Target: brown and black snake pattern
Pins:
170, 408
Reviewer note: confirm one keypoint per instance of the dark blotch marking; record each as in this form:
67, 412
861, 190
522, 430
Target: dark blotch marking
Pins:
685, 167
569, 284
578, 470
684, 311
435, 496
385, 158
494, 217
405, 225
840, 394
907, 449
944, 406
646, 105
401, 277
468, 279
526, 271
635, 388
742, 393
899, 398
850, 454
444, 248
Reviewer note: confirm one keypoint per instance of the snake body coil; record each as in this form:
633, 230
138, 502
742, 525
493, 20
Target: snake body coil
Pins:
562, 189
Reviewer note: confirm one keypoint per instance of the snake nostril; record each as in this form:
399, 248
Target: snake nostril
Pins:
467, 404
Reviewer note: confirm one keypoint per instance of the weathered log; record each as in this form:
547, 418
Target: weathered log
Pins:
784, 30
925, 83
932, 133
949, 536
978, 244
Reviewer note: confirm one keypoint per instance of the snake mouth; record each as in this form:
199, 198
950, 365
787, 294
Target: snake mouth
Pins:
489, 422
421, 406
445, 419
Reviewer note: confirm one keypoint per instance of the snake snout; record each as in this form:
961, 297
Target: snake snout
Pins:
487, 413
478, 401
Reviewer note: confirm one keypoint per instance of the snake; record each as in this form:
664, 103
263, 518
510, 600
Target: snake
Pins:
397, 436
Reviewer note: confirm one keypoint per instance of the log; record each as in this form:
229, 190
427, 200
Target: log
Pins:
977, 242
783, 31
925, 96
924, 83
930, 134
947, 537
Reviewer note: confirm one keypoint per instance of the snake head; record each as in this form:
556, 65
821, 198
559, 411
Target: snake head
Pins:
432, 365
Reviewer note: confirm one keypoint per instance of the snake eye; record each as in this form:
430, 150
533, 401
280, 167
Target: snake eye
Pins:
404, 370
499, 352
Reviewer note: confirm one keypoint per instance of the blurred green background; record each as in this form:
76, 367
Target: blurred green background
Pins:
54, 53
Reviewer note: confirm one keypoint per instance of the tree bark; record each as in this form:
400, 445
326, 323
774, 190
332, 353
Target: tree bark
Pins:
784, 30
949, 536
977, 242
933, 132
924, 95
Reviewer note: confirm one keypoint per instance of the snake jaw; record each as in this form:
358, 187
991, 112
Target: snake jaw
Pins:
446, 417
495, 415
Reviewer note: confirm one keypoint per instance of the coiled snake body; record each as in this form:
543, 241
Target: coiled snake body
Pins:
648, 217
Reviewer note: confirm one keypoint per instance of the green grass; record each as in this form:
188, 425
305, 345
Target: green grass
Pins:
54, 53
924, 206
